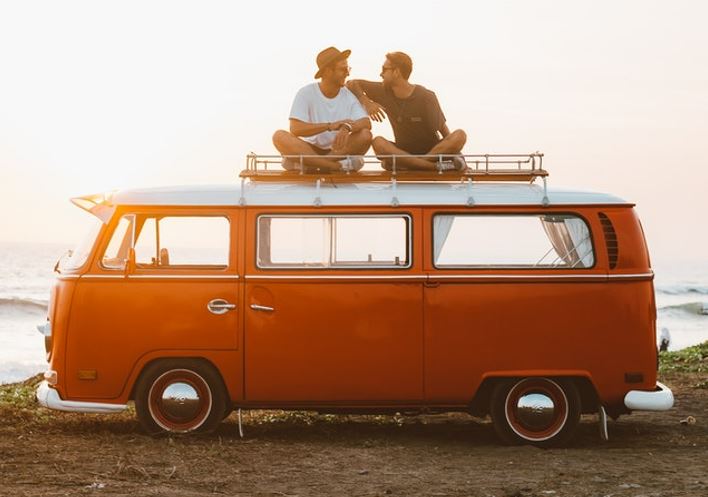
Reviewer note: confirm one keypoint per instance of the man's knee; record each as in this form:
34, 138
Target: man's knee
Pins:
280, 137
380, 144
459, 138
363, 137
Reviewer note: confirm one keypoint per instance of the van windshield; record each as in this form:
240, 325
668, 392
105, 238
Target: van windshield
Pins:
77, 257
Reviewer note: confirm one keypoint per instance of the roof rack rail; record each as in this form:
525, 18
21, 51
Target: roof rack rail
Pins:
484, 167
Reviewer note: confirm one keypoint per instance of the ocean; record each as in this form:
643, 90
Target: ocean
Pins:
26, 275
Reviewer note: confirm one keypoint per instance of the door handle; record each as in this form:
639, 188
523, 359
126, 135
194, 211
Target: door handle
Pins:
264, 308
220, 306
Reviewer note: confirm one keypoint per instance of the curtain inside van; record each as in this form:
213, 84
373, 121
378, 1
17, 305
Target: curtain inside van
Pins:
570, 238
441, 229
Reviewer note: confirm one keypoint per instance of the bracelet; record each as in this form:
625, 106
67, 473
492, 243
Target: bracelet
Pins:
348, 126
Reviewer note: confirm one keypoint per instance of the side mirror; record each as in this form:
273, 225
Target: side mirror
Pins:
130, 262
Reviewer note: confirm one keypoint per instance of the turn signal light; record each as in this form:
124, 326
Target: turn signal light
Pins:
51, 377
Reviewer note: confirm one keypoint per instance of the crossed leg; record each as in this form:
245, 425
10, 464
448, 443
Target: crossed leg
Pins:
288, 144
450, 145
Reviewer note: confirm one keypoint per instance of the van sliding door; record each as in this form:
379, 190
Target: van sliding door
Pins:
333, 309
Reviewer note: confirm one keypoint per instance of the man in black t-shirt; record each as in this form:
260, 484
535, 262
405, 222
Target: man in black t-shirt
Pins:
416, 118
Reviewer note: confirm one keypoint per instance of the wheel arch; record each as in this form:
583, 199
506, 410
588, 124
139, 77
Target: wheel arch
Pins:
479, 405
140, 371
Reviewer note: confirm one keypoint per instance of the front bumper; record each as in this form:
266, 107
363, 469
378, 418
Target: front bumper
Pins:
661, 399
49, 397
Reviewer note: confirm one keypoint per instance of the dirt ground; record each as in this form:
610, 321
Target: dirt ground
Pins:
649, 454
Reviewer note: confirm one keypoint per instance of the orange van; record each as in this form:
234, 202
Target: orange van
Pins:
476, 291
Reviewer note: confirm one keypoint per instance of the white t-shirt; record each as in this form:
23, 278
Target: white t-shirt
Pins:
311, 106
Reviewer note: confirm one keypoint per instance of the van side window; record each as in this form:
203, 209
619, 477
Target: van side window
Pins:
337, 241
512, 241
117, 251
171, 242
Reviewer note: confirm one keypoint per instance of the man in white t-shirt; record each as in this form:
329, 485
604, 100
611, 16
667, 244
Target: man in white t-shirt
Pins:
326, 121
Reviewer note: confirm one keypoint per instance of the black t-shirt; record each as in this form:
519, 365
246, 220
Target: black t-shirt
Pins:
415, 120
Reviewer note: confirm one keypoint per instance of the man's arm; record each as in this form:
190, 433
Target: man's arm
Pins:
375, 110
301, 128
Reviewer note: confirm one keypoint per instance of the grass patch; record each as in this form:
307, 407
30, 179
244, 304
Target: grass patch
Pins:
689, 360
20, 395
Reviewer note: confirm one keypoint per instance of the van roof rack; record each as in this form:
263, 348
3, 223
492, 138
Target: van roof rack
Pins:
484, 167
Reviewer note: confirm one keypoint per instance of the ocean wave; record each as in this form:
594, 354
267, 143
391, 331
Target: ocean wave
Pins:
698, 308
12, 372
682, 289
23, 303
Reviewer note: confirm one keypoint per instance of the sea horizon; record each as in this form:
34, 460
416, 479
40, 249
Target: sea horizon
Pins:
26, 277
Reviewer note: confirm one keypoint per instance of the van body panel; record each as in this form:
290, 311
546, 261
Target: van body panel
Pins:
59, 315
472, 328
479, 320
339, 336
118, 318
320, 343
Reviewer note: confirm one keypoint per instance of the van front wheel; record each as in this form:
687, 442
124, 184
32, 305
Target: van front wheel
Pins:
537, 411
179, 396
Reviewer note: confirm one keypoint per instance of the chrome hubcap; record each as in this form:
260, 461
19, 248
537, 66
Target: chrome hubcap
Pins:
535, 411
180, 402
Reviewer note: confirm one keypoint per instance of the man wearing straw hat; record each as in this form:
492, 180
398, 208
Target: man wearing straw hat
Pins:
327, 122
418, 123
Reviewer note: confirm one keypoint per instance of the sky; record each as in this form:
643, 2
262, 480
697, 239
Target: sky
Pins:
97, 96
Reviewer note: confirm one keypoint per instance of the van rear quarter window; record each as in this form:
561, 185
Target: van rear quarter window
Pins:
512, 241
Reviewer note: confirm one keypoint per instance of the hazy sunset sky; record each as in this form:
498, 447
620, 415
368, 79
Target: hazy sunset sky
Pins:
97, 96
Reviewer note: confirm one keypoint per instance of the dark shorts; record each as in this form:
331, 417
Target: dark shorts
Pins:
416, 148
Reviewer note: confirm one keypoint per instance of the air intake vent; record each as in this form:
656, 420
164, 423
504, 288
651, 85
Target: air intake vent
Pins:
610, 240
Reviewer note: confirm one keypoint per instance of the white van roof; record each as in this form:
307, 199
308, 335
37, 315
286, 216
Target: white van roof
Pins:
353, 194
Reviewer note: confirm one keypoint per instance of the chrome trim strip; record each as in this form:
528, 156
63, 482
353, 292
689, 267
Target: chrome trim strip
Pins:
49, 397
68, 276
638, 275
541, 276
185, 276
367, 277
164, 276
434, 277
330, 277
517, 276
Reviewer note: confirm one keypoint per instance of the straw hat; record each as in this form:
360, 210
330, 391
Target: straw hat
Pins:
327, 56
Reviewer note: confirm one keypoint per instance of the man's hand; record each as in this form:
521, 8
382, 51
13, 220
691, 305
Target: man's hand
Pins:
339, 125
341, 140
375, 110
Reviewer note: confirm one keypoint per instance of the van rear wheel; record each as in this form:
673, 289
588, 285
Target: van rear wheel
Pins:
537, 411
179, 396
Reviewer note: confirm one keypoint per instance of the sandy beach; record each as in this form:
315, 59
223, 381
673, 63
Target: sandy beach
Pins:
297, 454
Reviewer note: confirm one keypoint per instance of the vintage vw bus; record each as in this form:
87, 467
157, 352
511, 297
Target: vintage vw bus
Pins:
375, 291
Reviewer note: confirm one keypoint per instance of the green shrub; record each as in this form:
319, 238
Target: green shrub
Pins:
689, 360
